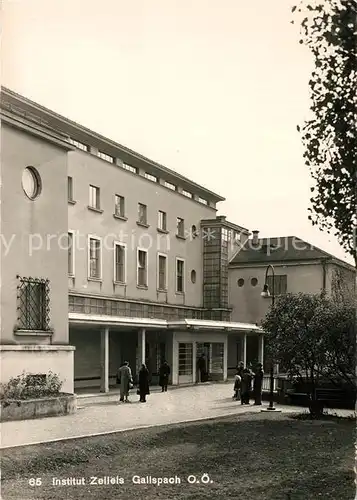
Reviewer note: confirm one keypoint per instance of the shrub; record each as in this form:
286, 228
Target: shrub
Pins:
29, 386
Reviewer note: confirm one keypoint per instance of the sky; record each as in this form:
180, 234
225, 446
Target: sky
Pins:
212, 89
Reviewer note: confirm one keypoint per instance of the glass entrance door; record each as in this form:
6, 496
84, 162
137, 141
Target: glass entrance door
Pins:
217, 361
185, 363
213, 353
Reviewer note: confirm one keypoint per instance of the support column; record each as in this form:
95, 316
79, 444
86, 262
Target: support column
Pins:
104, 360
244, 349
174, 368
261, 349
143, 343
225, 359
194, 362
141, 348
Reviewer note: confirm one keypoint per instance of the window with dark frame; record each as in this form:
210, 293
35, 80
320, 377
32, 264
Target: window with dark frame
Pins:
142, 268
142, 213
119, 263
280, 284
162, 272
33, 304
94, 197
180, 225
70, 188
180, 264
70, 255
161, 222
94, 258
119, 206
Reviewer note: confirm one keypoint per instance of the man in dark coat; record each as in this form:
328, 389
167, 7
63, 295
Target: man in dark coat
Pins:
246, 386
201, 368
164, 375
258, 384
143, 383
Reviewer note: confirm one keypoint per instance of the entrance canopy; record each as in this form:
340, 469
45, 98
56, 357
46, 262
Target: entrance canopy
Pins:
186, 324
198, 324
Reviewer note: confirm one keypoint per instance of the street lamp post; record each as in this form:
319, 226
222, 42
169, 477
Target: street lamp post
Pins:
266, 293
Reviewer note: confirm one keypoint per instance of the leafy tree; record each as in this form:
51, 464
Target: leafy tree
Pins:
329, 30
312, 336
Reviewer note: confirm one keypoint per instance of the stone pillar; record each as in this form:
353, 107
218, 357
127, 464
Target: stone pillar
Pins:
104, 360
261, 349
225, 359
174, 368
194, 362
244, 350
141, 344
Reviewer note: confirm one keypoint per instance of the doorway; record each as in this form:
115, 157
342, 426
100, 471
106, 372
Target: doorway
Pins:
185, 363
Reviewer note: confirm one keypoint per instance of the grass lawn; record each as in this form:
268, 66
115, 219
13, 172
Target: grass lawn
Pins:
267, 457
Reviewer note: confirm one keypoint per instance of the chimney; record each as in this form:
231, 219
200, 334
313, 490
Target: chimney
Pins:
255, 238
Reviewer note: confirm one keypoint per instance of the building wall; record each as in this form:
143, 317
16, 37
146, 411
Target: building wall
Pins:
86, 169
345, 282
25, 222
246, 301
35, 359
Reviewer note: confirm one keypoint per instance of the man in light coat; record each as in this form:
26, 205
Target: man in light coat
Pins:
125, 379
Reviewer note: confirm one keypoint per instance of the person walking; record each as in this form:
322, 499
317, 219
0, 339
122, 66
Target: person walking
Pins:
239, 372
237, 386
246, 386
201, 368
143, 383
164, 374
125, 379
258, 384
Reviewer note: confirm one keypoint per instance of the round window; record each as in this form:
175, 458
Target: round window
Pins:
193, 276
240, 282
254, 281
31, 183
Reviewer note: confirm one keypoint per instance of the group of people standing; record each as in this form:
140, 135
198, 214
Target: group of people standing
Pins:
125, 380
243, 384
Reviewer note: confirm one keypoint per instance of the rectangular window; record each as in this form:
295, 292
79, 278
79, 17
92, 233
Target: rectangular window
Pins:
79, 145
105, 157
119, 206
130, 168
203, 201
180, 275
70, 188
170, 186
187, 194
142, 268
70, 253
150, 177
142, 213
119, 262
280, 284
185, 360
94, 197
33, 304
180, 224
94, 258
161, 222
162, 272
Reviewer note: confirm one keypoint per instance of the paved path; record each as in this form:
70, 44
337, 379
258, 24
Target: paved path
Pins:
104, 415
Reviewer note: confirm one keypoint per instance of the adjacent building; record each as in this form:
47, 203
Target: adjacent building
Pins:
107, 256
298, 267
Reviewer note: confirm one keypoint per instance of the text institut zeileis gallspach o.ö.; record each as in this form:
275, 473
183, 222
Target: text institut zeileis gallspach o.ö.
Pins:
116, 480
